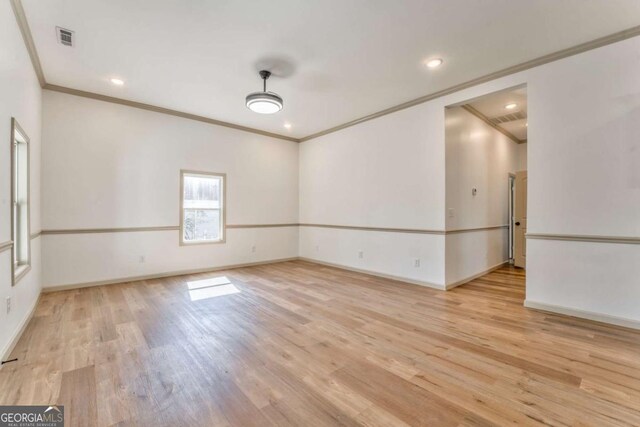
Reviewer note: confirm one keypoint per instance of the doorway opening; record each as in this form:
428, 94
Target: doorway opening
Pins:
518, 219
486, 143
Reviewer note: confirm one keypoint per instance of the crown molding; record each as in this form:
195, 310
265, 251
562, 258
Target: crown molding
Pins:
21, 19
163, 110
485, 119
555, 56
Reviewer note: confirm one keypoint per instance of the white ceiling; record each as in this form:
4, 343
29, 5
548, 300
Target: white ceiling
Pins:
333, 60
493, 105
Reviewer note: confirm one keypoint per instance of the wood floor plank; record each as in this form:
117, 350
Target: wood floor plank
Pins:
78, 395
305, 344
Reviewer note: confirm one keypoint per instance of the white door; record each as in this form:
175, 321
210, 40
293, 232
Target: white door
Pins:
520, 243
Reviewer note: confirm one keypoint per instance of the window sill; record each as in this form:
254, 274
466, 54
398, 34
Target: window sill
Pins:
202, 242
20, 272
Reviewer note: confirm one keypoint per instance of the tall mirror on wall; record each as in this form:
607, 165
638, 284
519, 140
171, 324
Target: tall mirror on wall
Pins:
20, 227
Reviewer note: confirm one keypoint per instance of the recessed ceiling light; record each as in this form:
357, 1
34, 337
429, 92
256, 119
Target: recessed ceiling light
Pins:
264, 102
117, 82
511, 106
434, 63
287, 125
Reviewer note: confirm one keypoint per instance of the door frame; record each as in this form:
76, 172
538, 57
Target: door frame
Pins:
520, 208
511, 180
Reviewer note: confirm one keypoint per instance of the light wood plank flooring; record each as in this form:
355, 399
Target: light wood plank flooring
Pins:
307, 345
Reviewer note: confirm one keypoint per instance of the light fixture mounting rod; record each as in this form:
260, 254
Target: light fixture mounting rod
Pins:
265, 75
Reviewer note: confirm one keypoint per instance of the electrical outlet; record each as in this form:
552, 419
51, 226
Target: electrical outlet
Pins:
142, 259
451, 212
317, 248
253, 248
8, 305
360, 254
416, 262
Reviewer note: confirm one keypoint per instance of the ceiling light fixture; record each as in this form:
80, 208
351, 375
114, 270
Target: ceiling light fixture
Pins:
434, 63
287, 125
264, 102
117, 82
511, 106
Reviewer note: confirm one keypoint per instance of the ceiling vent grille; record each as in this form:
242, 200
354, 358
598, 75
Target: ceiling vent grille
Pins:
65, 36
511, 117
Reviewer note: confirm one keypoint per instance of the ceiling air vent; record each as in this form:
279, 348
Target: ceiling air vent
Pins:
65, 36
511, 117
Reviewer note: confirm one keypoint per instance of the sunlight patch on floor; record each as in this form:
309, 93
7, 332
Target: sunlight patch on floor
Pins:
211, 288
205, 283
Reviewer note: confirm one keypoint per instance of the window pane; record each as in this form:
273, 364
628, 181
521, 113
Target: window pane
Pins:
15, 233
201, 192
201, 225
16, 171
189, 225
207, 225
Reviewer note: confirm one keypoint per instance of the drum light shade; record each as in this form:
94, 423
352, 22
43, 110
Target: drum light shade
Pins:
264, 102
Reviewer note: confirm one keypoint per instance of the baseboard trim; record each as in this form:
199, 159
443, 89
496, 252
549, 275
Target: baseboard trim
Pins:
376, 274
159, 275
17, 334
475, 276
583, 314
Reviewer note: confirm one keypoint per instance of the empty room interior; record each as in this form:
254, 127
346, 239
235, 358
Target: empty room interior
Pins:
320, 213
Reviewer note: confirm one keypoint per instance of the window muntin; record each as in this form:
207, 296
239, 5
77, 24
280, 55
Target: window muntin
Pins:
202, 207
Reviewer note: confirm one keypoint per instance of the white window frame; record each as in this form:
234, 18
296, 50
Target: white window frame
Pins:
222, 209
20, 201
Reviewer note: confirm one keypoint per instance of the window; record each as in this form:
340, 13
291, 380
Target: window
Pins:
20, 202
202, 215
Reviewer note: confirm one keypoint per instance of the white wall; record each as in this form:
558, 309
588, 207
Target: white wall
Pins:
584, 179
20, 98
584, 175
600, 279
384, 173
480, 157
112, 166
385, 253
522, 157
472, 253
477, 156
